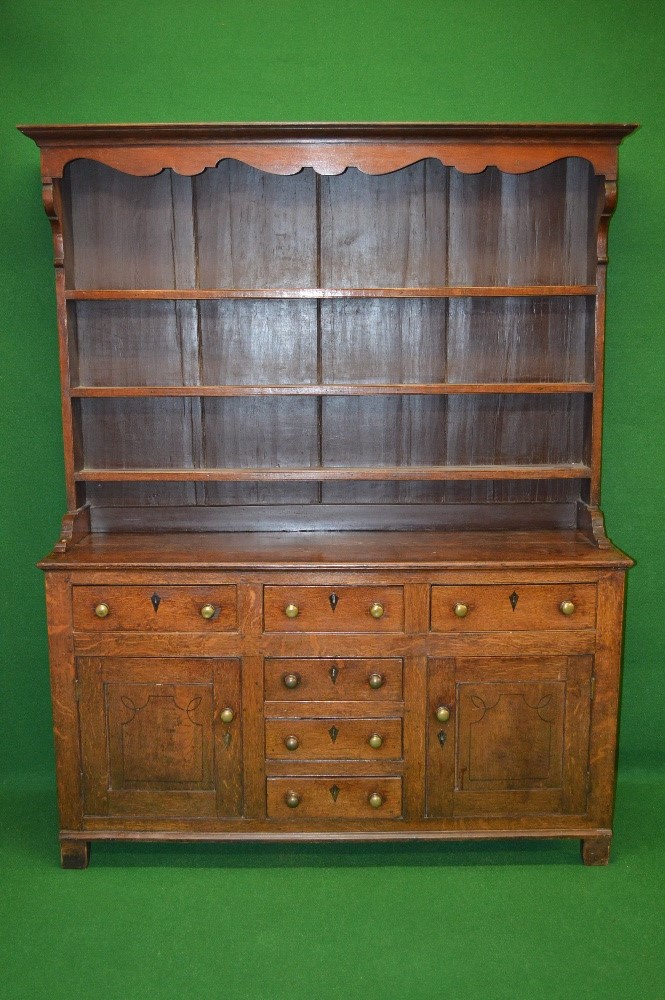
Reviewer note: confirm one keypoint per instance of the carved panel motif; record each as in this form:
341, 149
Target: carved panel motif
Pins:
160, 735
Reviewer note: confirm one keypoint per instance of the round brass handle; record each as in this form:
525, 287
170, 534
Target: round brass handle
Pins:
227, 715
102, 610
292, 800
375, 741
291, 681
207, 611
375, 681
376, 610
567, 608
291, 611
291, 743
443, 713
376, 800
461, 610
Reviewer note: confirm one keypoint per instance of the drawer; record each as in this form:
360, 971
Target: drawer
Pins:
334, 798
334, 679
333, 609
505, 607
334, 739
155, 609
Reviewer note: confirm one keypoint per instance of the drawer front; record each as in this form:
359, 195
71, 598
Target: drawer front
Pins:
334, 679
333, 609
155, 609
334, 739
505, 607
334, 798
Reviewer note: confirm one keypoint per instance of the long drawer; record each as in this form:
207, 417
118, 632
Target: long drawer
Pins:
503, 607
108, 608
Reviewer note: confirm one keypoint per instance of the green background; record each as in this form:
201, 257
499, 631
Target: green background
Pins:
396, 921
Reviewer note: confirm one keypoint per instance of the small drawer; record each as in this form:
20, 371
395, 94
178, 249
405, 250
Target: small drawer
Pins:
334, 798
334, 739
334, 679
333, 609
507, 607
155, 609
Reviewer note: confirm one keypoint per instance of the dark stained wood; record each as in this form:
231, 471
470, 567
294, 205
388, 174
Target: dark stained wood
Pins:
74, 854
332, 365
596, 850
558, 551
489, 515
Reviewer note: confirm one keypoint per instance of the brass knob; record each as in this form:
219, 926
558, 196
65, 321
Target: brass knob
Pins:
376, 800
292, 800
227, 715
375, 741
376, 610
375, 681
207, 611
291, 743
102, 610
443, 713
461, 610
291, 611
567, 608
291, 681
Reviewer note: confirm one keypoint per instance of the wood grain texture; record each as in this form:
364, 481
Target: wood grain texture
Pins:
316, 683
292, 333
317, 613
530, 551
318, 799
334, 739
155, 609
491, 608
329, 148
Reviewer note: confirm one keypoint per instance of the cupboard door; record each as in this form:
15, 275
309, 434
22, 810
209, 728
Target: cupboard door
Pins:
516, 738
160, 737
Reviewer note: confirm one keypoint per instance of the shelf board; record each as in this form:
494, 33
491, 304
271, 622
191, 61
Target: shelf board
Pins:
399, 473
434, 291
349, 389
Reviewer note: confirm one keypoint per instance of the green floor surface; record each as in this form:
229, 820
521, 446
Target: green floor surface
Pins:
510, 920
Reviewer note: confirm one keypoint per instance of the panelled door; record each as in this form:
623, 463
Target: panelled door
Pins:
161, 737
508, 736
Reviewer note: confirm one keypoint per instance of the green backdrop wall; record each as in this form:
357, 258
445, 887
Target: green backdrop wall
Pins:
449, 60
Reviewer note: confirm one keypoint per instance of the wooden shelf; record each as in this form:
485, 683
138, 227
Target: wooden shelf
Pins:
434, 291
350, 389
391, 473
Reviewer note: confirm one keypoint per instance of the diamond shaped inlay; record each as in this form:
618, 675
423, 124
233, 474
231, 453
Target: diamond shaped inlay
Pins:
514, 598
155, 600
334, 791
332, 732
334, 673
